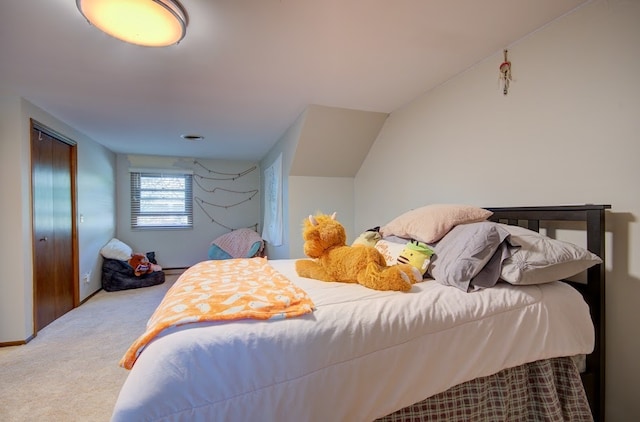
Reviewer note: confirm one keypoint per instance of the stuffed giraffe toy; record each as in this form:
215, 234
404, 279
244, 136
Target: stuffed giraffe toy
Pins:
332, 260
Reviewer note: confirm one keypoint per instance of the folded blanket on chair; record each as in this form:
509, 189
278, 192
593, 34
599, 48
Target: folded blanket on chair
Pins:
240, 243
223, 290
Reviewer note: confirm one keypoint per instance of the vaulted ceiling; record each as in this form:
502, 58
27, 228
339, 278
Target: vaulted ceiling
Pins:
248, 68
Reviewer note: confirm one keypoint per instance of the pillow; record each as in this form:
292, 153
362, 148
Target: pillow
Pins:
215, 252
430, 223
368, 238
542, 259
390, 249
115, 249
463, 254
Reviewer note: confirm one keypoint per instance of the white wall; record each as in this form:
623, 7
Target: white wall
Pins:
321, 194
15, 292
95, 196
96, 184
567, 133
315, 177
183, 248
286, 146
328, 130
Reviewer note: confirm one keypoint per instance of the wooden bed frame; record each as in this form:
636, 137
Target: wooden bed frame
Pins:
593, 291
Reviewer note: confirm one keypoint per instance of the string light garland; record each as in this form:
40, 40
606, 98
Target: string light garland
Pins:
202, 201
213, 220
225, 176
252, 191
250, 194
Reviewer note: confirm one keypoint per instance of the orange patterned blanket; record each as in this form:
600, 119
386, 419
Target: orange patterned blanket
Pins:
223, 290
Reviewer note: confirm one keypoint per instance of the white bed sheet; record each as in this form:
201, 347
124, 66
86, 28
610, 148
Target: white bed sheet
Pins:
360, 355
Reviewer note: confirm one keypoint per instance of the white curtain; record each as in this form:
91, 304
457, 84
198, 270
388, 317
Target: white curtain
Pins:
272, 227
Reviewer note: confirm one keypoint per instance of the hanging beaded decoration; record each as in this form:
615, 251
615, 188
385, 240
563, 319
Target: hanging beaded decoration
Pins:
505, 74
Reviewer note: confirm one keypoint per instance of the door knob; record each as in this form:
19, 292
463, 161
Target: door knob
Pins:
44, 239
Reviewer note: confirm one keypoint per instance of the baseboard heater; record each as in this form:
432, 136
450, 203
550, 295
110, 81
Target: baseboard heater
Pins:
174, 270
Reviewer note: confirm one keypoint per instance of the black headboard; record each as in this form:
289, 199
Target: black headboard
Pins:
593, 291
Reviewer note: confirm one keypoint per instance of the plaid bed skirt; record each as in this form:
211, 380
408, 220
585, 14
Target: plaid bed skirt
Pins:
546, 390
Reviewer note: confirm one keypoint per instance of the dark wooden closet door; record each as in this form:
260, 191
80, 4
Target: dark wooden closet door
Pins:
52, 228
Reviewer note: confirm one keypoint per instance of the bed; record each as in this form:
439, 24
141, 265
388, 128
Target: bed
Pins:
508, 352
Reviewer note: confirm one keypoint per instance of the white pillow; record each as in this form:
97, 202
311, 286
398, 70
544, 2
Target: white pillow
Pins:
390, 250
115, 249
430, 223
541, 259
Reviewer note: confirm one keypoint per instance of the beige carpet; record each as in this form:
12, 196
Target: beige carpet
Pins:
70, 371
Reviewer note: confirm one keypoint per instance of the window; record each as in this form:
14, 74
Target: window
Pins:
161, 200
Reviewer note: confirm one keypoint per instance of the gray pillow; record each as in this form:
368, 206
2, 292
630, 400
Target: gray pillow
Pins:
470, 256
542, 259
490, 273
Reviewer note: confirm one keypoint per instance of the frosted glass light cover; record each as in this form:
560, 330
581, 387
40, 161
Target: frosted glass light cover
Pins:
154, 23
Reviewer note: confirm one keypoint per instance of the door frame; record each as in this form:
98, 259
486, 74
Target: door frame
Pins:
73, 170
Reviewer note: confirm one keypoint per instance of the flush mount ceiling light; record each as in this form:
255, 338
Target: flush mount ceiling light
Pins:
153, 23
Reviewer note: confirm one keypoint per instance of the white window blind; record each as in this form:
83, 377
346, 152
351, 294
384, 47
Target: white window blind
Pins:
161, 200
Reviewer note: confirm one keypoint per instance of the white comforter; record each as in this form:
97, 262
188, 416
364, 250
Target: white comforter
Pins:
360, 355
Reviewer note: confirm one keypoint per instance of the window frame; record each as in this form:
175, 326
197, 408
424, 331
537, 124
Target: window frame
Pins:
137, 192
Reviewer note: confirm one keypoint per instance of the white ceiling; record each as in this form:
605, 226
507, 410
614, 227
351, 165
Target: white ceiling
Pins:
247, 68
